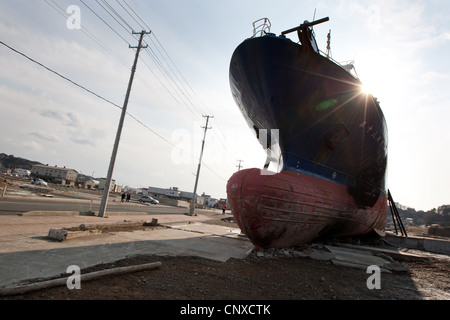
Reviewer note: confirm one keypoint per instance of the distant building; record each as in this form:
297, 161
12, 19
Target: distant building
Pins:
86, 182
186, 195
172, 192
22, 172
155, 191
59, 175
102, 184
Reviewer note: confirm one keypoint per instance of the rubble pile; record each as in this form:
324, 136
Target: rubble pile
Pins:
360, 258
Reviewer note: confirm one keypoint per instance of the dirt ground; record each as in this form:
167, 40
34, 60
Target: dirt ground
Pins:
273, 275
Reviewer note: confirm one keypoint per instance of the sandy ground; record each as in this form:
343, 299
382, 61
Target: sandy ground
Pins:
269, 275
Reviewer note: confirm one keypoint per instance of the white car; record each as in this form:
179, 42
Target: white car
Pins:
38, 182
144, 199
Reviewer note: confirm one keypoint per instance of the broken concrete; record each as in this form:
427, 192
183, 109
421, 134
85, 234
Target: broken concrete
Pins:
346, 257
152, 223
61, 234
57, 234
357, 258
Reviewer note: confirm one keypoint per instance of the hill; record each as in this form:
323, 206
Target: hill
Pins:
12, 162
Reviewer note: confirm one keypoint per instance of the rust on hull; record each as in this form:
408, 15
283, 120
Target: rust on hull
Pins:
285, 209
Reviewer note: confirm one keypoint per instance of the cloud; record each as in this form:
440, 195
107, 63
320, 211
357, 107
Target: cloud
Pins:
50, 137
73, 119
51, 114
83, 140
66, 118
32, 147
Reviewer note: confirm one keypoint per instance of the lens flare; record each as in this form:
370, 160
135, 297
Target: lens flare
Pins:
365, 89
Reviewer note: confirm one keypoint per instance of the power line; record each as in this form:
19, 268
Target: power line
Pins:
146, 26
60, 75
88, 33
167, 76
191, 210
163, 55
104, 201
132, 17
116, 14
171, 78
105, 22
168, 73
89, 91
176, 80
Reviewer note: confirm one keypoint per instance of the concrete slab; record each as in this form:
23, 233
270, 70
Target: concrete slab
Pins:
441, 246
355, 258
53, 258
206, 228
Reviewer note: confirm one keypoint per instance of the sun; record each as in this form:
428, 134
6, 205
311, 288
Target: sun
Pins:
364, 88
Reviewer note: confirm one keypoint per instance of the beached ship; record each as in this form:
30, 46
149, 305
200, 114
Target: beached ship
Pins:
326, 137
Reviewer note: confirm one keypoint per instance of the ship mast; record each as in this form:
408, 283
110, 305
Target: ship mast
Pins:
328, 44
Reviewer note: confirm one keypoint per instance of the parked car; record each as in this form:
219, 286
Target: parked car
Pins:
38, 182
144, 199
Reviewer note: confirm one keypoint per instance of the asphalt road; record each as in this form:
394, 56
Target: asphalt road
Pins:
9, 206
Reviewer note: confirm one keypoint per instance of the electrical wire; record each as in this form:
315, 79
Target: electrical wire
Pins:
154, 56
105, 22
161, 59
148, 28
89, 91
87, 32
130, 29
183, 89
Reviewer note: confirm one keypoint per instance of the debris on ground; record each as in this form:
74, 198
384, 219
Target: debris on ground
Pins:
228, 219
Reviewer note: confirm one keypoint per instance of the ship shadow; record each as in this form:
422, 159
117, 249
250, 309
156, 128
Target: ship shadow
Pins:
20, 267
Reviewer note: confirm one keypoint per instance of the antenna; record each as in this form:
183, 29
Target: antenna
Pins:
329, 44
239, 165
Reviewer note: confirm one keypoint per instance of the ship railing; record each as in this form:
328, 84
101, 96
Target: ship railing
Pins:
347, 65
261, 27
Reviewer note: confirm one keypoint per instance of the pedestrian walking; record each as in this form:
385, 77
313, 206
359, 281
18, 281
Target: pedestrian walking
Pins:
223, 209
123, 196
128, 197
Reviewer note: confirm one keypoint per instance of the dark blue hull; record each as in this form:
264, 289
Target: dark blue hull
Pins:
327, 127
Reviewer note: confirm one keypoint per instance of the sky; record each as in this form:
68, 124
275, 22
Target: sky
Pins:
400, 51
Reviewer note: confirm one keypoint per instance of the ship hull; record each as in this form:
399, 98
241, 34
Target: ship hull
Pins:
279, 210
331, 140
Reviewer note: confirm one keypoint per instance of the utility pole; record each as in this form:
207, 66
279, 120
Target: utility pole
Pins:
105, 197
239, 165
191, 210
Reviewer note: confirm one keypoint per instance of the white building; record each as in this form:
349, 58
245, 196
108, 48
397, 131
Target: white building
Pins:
61, 175
112, 186
22, 172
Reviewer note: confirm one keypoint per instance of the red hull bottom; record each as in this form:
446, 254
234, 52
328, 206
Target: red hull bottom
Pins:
280, 210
